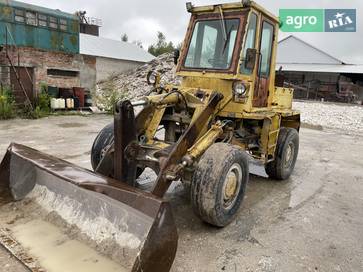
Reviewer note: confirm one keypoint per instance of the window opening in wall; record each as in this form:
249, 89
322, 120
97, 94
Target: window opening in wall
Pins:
42, 20
31, 18
63, 24
62, 73
19, 16
53, 22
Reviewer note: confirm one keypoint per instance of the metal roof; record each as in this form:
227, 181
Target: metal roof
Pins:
295, 50
55, 12
321, 68
294, 54
103, 47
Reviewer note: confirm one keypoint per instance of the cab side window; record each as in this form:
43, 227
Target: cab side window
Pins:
266, 48
250, 42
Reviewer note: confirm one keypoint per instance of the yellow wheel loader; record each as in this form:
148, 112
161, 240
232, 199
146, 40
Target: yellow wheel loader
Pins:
230, 109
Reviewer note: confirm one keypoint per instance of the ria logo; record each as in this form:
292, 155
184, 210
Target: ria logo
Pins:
340, 20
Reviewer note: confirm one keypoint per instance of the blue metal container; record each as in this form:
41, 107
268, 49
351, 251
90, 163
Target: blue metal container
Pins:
38, 27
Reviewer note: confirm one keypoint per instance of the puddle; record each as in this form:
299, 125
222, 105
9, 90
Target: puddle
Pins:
56, 252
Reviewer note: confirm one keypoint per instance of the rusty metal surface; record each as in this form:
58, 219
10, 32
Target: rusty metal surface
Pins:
261, 92
27, 82
140, 124
124, 134
170, 164
147, 217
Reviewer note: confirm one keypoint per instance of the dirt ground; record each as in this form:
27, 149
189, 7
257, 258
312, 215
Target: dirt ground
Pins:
312, 222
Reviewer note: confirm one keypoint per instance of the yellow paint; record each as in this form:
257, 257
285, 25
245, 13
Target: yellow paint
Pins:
162, 99
154, 124
282, 98
279, 100
223, 82
237, 6
205, 141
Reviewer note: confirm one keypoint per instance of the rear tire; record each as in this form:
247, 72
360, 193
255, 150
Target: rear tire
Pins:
219, 184
103, 139
286, 153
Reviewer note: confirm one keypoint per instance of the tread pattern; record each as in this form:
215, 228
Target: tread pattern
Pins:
275, 169
207, 183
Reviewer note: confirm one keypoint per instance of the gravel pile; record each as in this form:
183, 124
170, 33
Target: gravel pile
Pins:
133, 84
338, 116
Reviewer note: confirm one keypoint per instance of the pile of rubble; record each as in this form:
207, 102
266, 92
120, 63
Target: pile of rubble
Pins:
133, 84
348, 118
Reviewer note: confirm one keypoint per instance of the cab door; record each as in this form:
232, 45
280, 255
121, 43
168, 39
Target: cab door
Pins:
264, 64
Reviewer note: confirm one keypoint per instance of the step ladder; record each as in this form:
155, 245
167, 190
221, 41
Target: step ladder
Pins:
269, 136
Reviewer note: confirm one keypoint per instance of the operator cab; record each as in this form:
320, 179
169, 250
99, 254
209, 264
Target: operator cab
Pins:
231, 42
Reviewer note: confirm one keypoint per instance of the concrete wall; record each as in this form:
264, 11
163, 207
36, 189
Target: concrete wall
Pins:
107, 67
87, 74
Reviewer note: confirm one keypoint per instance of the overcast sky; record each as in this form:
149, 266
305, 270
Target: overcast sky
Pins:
141, 19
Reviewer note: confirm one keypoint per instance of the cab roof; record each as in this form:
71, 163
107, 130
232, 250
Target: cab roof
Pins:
230, 7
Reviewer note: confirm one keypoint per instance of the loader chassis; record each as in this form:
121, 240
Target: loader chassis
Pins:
179, 123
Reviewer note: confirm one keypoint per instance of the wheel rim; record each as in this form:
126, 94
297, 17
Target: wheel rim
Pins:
289, 155
231, 186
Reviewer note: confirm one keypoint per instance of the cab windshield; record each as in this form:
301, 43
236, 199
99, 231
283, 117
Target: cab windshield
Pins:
212, 44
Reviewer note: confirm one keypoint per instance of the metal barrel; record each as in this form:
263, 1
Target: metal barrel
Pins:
139, 224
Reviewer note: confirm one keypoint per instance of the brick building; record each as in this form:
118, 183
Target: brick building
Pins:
41, 46
37, 67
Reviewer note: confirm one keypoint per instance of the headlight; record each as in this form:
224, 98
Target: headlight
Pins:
239, 88
152, 78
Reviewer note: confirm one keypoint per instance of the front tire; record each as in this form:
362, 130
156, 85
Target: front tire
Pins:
219, 184
286, 153
103, 139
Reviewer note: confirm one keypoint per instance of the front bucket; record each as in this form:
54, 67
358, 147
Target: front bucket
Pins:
133, 227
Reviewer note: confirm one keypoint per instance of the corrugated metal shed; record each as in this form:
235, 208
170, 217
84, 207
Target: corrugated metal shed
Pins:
295, 50
103, 47
294, 54
22, 5
33, 26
